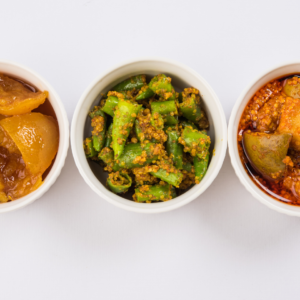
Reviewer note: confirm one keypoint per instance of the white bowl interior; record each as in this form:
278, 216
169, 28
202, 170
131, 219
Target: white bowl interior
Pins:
23, 73
284, 70
181, 77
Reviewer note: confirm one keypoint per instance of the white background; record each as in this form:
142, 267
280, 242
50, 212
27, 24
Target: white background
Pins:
70, 244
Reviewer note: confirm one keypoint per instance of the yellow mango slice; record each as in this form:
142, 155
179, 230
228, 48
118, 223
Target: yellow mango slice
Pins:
36, 135
7, 142
16, 99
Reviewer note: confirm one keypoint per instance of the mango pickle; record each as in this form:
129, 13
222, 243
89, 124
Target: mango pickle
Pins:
266, 152
28, 140
269, 139
16, 99
292, 87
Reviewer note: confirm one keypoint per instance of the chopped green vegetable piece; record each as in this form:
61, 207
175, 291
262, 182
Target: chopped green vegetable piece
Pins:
89, 150
157, 120
190, 106
134, 82
195, 142
99, 129
138, 129
107, 155
137, 155
153, 193
167, 109
145, 93
164, 107
169, 119
119, 182
108, 139
124, 118
96, 112
174, 149
167, 172
161, 85
200, 165
139, 132
110, 104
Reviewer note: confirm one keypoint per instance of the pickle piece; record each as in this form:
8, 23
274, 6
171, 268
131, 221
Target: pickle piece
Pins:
16, 99
290, 121
36, 136
161, 85
119, 182
266, 152
292, 87
269, 115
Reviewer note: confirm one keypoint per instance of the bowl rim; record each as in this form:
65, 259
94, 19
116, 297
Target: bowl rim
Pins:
63, 125
155, 207
244, 178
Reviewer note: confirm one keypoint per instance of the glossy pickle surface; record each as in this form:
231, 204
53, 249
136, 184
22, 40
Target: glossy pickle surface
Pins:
28, 138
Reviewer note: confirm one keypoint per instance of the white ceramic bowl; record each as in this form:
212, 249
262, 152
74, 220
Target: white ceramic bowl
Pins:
247, 94
18, 71
182, 77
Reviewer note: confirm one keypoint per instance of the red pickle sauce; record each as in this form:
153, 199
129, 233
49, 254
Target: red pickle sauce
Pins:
248, 121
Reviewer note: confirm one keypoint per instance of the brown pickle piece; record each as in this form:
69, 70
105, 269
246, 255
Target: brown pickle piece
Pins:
7, 142
36, 136
249, 117
292, 87
15, 179
266, 153
290, 121
268, 116
16, 99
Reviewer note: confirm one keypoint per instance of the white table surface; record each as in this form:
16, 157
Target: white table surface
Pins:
70, 244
